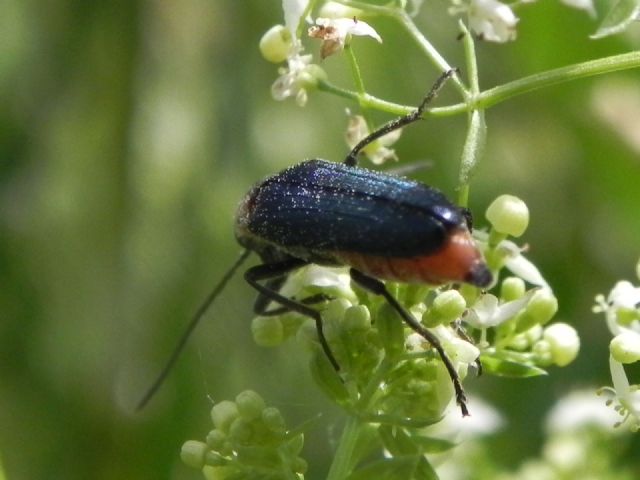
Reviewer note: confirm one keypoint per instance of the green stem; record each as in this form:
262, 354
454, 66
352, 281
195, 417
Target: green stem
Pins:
355, 70
343, 461
493, 96
365, 100
476, 126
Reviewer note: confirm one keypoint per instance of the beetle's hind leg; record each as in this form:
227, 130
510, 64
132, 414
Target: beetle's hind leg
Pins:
275, 273
352, 158
376, 287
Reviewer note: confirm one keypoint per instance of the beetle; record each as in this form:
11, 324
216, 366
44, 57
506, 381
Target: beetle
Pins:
384, 227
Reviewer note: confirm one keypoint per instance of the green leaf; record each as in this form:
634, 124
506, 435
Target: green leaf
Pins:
368, 441
509, 368
618, 18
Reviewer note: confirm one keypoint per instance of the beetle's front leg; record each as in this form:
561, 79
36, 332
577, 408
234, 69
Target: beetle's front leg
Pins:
376, 287
269, 271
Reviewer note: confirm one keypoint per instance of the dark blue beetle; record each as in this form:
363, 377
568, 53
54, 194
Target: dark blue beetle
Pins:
382, 226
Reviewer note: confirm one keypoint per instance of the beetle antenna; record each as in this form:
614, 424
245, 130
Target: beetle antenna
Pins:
177, 350
352, 158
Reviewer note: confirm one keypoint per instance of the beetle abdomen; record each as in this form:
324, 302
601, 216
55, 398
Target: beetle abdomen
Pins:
458, 261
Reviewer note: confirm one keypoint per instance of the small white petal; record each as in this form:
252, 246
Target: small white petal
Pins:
520, 266
363, 29
492, 20
293, 11
483, 311
618, 378
624, 295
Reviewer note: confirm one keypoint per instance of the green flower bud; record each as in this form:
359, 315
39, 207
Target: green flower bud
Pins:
240, 431
524, 340
508, 215
335, 311
267, 331
512, 288
250, 404
193, 453
540, 309
542, 350
449, 306
274, 420
563, 341
276, 43
625, 347
216, 439
223, 413
357, 319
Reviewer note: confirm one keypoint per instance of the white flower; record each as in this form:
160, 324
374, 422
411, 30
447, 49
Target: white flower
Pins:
492, 20
334, 33
293, 79
377, 151
488, 312
334, 282
625, 398
623, 301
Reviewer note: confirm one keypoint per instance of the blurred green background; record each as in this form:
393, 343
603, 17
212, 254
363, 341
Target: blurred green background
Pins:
129, 130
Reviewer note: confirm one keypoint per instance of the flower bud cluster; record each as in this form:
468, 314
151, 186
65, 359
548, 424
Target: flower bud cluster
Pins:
249, 439
523, 339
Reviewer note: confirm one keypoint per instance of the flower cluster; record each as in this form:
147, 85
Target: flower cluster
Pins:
249, 440
621, 309
509, 330
282, 43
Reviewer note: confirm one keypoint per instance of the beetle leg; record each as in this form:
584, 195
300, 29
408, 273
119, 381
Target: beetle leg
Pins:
376, 287
268, 271
352, 158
